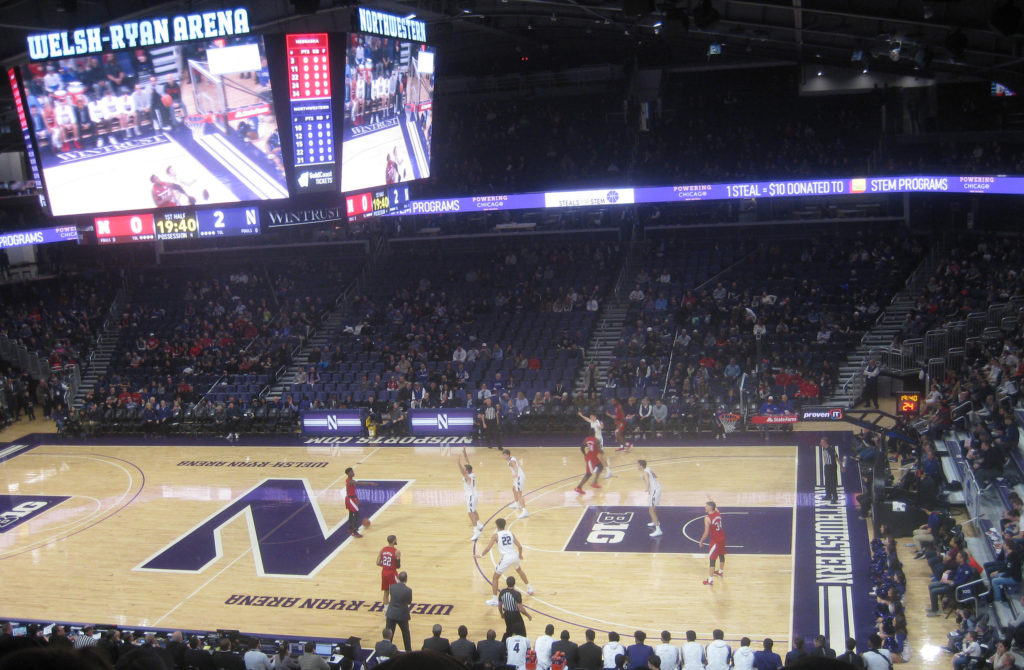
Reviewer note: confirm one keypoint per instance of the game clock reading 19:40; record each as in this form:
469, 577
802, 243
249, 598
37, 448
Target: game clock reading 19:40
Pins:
176, 225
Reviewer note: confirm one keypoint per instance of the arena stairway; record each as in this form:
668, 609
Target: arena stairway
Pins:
602, 342
103, 352
326, 334
850, 383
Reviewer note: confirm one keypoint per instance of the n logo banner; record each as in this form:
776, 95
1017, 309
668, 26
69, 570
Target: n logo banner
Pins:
287, 531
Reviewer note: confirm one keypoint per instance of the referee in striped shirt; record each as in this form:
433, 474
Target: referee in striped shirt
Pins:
85, 638
511, 603
830, 469
490, 422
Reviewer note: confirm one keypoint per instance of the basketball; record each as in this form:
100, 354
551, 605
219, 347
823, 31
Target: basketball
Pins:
166, 99
366, 523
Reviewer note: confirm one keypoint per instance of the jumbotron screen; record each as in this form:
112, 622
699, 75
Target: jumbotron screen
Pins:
178, 124
389, 99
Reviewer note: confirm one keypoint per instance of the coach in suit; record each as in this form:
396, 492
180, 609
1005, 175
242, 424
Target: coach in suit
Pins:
397, 613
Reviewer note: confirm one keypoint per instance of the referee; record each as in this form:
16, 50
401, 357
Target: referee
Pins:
491, 419
830, 466
511, 603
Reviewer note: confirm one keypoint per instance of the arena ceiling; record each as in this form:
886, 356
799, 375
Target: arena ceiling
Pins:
946, 39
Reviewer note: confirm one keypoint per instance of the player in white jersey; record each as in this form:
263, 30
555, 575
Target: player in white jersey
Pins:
66, 120
543, 647
511, 553
516, 647
597, 427
469, 488
518, 482
667, 652
653, 488
611, 650
111, 112
129, 119
190, 184
693, 652
718, 653
743, 658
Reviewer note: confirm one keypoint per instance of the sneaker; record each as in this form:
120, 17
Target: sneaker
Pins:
651, 524
708, 582
622, 448
629, 446
595, 485
608, 474
932, 613
514, 505
529, 590
657, 533
523, 515
493, 602
476, 535
355, 533
719, 573
579, 491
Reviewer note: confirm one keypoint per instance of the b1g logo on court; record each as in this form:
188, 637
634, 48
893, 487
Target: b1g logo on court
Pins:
16, 510
610, 527
287, 531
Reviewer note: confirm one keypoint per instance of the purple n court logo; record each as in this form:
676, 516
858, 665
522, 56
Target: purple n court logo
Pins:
287, 531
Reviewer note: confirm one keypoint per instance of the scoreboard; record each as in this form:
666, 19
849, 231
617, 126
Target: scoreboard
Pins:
377, 202
309, 93
177, 224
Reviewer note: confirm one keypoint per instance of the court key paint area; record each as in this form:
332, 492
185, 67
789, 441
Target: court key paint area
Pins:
625, 529
255, 538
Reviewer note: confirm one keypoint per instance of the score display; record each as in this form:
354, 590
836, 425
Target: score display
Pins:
309, 93
177, 224
378, 202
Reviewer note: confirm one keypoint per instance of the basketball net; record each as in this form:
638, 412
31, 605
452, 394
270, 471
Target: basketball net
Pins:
197, 124
728, 420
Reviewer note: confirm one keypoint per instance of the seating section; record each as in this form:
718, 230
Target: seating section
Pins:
60, 317
219, 335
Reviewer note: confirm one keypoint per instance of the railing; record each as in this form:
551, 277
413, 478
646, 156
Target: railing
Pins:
29, 361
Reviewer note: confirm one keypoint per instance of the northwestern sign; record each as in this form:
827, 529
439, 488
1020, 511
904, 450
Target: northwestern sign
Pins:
287, 531
441, 421
16, 510
142, 33
335, 422
388, 25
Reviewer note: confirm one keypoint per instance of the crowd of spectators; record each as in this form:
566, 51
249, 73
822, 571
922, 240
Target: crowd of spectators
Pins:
785, 312
61, 647
58, 318
231, 331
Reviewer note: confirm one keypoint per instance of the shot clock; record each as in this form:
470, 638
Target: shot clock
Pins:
908, 404
177, 224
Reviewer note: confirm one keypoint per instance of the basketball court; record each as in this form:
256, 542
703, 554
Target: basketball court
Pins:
208, 536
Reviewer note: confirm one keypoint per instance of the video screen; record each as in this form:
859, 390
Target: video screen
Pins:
168, 126
389, 99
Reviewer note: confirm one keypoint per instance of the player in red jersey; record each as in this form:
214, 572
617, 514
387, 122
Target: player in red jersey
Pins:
715, 534
390, 560
592, 455
166, 194
352, 502
620, 426
391, 171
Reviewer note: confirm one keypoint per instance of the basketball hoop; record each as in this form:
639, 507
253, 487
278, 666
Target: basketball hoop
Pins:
197, 124
728, 420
